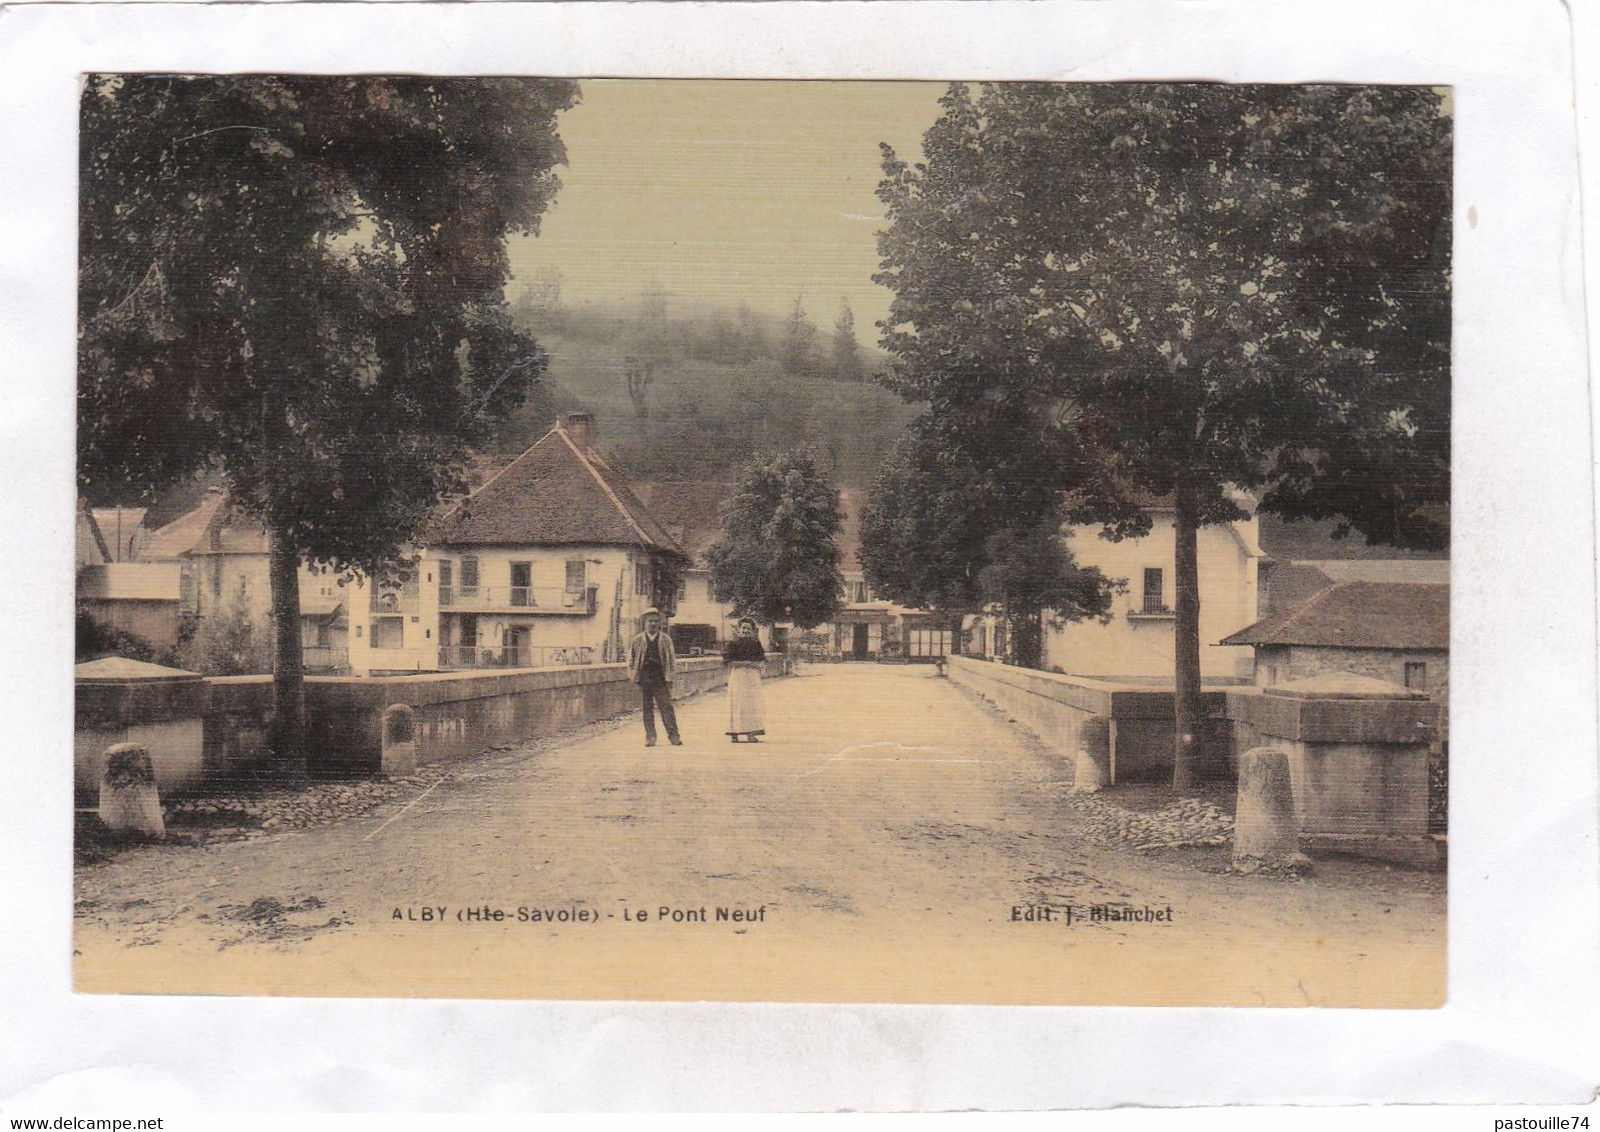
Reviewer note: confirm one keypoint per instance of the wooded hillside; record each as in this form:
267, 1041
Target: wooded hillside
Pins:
694, 397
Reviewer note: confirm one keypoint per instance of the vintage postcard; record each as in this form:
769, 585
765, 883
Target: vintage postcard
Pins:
826, 556
1026, 507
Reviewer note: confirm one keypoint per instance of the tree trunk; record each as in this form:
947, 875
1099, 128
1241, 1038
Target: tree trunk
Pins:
1028, 639
1186, 640
957, 645
287, 736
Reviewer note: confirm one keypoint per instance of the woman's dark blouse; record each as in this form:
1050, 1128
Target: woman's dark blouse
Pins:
743, 648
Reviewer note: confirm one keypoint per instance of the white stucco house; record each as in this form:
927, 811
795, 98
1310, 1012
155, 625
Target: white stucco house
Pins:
552, 561
1138, 642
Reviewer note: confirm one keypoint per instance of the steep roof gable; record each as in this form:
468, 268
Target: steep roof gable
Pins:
185, 533
119, 527
1378, 615
689, 510
91, 543
554, 494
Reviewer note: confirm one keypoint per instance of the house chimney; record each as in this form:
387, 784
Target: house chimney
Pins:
580, 427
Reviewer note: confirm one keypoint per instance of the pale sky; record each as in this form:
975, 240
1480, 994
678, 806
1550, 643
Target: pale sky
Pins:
728, 191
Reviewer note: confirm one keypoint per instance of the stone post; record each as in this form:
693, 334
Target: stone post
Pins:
1358, 756
399, 742
1092, 769
129, 802
1266, 833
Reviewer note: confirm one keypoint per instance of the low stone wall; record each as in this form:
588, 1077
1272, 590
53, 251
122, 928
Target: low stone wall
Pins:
1357, 749
1358, 763
454, 714
161, 713
1054, 706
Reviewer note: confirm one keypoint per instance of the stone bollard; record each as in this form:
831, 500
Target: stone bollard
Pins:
1266, 833
129, 802
399, 742
1092, 769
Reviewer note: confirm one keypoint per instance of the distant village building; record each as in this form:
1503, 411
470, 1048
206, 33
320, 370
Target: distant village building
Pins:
218, 559
133, 597
1393, 631
115, 589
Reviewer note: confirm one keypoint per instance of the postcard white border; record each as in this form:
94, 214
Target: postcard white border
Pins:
1525, 904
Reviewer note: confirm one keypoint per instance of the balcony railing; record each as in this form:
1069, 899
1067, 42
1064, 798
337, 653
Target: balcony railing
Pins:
532, 599
320, 657
392, 602
453, 657
1153, 609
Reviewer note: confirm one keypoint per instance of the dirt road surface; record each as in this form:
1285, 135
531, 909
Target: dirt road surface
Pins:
886, 842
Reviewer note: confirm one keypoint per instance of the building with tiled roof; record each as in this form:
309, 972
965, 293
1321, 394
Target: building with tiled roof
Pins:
1305, 556
691, 511
1286, 585
217, 558
185, 533
688, 510
560, 492
1398, 615
552, 559
1393, 631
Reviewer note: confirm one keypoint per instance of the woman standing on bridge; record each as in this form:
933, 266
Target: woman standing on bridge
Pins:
744, 657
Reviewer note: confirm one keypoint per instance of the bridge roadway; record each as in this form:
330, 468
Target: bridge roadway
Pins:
875, 847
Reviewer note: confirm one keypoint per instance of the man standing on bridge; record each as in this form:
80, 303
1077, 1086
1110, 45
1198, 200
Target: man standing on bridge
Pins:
651, 662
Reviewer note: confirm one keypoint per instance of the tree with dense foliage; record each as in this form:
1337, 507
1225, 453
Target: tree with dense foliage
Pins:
797, 352
939, 502
777, 558
1209, 288
640, 373
750, 336
299, 282
846, 350
225, 643
1033, 577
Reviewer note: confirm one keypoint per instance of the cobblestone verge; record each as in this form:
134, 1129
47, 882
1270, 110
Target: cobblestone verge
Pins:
275, 809
1191, 822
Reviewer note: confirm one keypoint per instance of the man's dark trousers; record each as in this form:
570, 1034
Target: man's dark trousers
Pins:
657, 693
